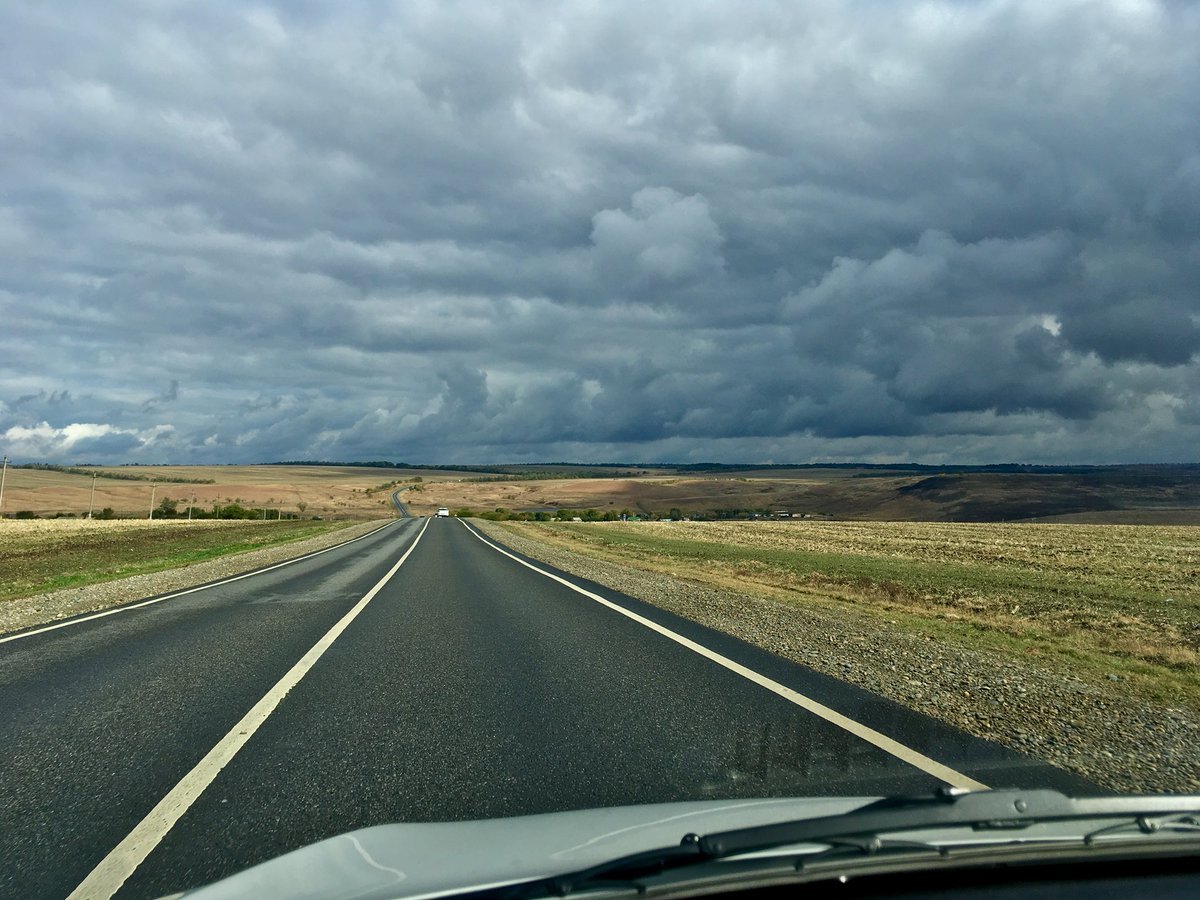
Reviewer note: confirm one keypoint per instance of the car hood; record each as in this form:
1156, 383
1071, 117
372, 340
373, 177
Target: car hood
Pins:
428, 859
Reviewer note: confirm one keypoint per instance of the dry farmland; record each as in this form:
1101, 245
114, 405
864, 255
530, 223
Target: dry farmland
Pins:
1103, 598
331, 492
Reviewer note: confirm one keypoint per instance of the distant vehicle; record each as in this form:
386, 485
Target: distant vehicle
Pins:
442, 511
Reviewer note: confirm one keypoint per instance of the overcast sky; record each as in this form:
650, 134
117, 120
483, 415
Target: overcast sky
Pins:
503, 232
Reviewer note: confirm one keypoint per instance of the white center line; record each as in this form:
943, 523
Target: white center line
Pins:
870, 735
106, 879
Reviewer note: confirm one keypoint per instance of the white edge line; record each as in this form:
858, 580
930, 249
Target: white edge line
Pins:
112, 872
203, 587
870, 735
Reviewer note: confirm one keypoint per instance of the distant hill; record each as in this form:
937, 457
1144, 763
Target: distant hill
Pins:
1115, 494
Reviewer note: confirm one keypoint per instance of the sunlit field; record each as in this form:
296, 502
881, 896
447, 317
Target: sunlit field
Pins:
44, 555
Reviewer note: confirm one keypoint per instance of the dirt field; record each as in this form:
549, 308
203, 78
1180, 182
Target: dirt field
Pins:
362, 492
1097, 497
326, 491
651, 495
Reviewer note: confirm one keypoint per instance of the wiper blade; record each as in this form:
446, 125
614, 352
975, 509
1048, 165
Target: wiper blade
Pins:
629, 873
981, 811
866, 832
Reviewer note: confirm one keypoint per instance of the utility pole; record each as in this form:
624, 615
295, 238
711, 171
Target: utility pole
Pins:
92, 502
153, 488
3, 475
190, 505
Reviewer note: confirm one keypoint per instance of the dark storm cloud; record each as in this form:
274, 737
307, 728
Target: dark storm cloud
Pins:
170, 395
1150, 331
467, 231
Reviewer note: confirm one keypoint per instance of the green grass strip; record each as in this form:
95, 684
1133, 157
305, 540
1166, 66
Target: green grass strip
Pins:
31, 566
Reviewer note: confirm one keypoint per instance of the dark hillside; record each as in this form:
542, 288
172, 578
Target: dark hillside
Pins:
999, 497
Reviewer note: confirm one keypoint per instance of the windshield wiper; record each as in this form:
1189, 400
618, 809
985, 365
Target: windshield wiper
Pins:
625, 869
864, 832
1004, 810
628, 873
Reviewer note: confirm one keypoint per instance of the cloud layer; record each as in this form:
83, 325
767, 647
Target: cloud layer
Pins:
522, 231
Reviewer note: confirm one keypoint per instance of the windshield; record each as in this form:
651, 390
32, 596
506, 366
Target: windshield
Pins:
442, 412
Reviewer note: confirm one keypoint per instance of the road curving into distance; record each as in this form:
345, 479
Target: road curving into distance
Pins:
421, 673
401, 508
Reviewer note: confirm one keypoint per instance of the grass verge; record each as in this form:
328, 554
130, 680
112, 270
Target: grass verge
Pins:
1067, 597
41, 558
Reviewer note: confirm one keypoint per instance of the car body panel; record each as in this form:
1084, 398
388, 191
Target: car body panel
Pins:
428, 859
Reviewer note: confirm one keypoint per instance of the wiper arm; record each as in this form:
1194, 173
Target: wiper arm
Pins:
620, 872
1185, 823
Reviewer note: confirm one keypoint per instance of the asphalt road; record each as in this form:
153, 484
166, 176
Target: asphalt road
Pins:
401, 507
468, 686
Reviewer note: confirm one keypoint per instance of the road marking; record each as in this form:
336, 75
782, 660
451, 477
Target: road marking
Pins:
112, 872
202, 587
870, 735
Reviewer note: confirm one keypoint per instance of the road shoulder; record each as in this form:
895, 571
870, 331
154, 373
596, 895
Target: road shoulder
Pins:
1091, 731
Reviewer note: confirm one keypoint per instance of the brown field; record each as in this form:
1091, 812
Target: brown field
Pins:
326, 491
656, 493
1099, 497
1134, 496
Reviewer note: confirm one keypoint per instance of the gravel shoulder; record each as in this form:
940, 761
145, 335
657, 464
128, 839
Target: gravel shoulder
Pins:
39, 609
1095, 731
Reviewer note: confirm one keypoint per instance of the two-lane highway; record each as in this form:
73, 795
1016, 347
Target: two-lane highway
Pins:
420, 673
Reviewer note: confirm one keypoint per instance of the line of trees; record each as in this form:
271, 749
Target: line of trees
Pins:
116, 476
169, 509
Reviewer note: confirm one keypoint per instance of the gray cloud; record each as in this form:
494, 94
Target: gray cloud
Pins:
515, 231
1141, 330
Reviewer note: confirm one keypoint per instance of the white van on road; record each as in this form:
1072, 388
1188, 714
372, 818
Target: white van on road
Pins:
443, 511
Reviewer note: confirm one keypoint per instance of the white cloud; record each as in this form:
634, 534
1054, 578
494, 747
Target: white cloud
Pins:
43, 441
